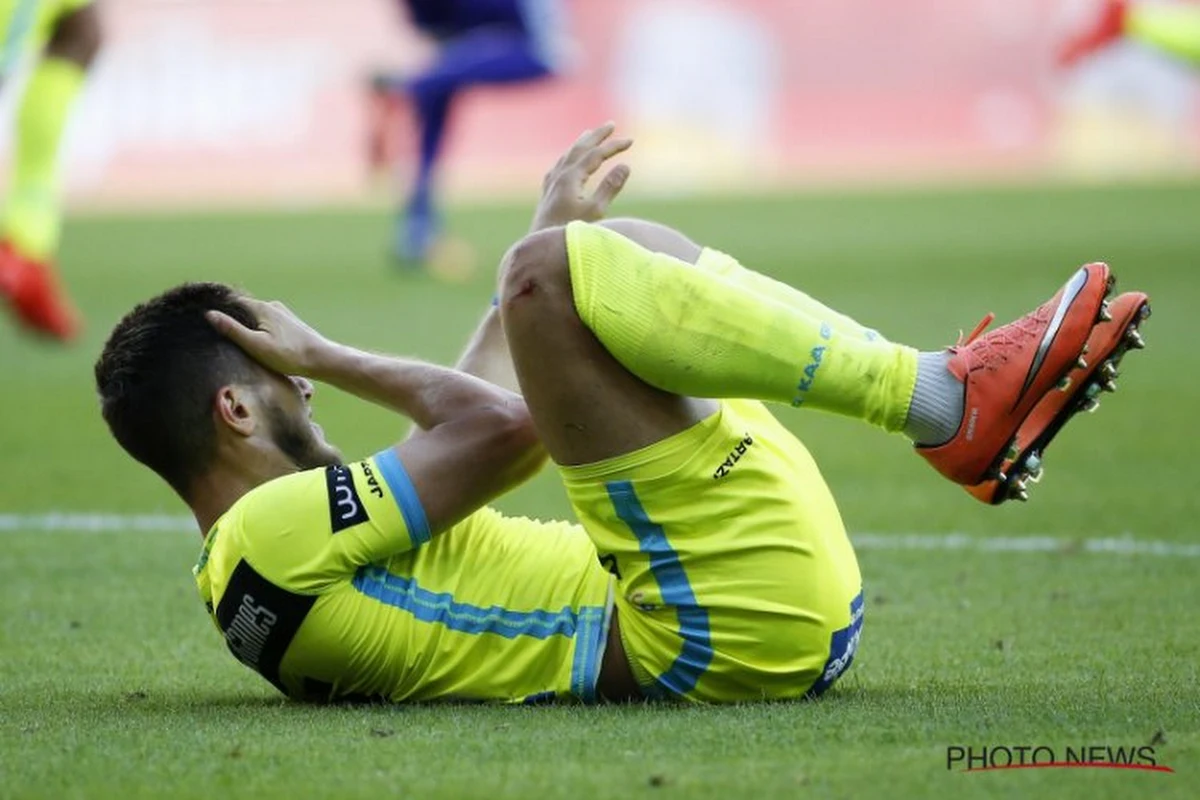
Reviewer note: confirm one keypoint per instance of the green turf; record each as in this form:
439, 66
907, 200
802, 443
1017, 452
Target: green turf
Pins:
112, 682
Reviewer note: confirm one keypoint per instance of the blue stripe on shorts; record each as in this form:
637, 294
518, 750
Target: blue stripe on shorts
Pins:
697, 653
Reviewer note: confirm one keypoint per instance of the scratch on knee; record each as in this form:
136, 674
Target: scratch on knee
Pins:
525, 289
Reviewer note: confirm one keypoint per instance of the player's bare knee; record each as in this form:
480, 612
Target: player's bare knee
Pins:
78, 37
536, 270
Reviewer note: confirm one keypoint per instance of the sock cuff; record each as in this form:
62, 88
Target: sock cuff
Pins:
903, 386
936, 409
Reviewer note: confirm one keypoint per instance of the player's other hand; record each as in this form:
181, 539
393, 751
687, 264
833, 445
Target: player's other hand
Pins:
282, 341
565, 196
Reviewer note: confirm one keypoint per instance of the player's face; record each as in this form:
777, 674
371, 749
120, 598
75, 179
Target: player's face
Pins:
290, 425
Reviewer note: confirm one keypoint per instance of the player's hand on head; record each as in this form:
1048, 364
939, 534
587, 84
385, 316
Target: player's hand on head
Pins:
282, 341
565, 193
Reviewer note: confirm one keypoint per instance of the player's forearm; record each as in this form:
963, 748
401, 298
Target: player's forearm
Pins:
459, 467
428, 394
486, 355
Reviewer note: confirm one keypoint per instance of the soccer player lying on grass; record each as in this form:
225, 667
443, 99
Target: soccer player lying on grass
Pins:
709, 562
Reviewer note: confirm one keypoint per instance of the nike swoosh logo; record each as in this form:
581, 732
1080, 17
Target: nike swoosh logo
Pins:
1070, 292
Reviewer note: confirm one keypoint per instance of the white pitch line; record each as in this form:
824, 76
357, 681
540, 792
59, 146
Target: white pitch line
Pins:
1126, 545
94, 522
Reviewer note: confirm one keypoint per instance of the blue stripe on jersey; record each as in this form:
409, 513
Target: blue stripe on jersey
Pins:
405, 493
697, 653
404, 593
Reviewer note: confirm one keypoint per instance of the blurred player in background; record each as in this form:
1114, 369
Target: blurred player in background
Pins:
1172, 28
480, 42
66, 34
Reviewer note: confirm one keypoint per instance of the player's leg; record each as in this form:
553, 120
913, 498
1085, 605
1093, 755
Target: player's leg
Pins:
489, 55
32, 215
735, 577
662, 239
587, 407
694, 333
700, 333
749, 341
589, 410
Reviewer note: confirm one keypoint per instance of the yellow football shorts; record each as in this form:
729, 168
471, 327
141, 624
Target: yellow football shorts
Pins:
735, 578
28, 24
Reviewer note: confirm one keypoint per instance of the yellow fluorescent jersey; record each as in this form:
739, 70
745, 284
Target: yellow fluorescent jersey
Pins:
328, 584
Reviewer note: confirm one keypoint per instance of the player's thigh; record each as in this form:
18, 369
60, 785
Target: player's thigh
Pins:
586, 406
736, 579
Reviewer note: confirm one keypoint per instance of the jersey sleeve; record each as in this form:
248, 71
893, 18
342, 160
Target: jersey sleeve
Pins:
374, 510
308, 530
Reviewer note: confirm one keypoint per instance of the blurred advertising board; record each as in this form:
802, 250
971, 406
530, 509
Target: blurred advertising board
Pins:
211, 102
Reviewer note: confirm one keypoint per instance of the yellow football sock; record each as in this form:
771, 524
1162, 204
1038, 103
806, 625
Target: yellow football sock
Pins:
728, 267
32, 217
1172, 28
698, 333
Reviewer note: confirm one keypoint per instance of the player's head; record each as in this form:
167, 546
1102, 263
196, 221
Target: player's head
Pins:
176, 394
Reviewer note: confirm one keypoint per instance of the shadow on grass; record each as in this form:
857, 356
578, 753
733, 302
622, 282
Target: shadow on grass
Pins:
161, 702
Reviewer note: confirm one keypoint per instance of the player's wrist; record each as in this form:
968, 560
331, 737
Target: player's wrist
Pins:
543, 220
555, 210
325, 360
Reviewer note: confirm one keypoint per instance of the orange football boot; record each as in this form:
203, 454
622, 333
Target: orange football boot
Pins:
1103, 31
1079, 391
1007, 371
35, 297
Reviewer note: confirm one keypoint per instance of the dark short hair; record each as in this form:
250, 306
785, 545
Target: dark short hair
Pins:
159, 371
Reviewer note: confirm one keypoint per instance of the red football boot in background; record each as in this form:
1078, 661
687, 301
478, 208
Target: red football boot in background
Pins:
35, 297
1104, 30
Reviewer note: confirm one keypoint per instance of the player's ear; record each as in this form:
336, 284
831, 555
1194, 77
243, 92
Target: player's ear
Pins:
233, 409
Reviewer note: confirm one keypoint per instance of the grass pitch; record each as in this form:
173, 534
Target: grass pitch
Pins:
112, 682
